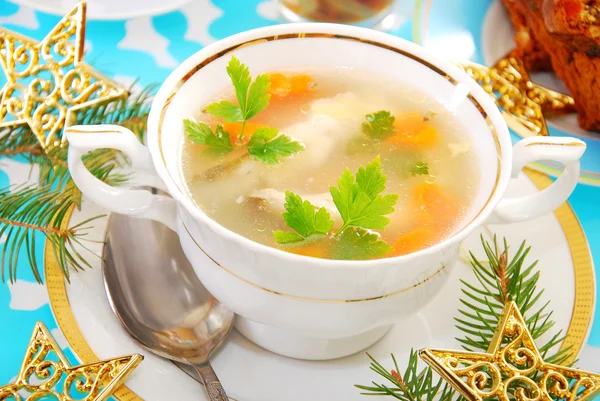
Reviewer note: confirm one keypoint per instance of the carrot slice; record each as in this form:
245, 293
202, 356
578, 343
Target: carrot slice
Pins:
411, 130
280, 85
301, 83
408, 123
235, 129
433, 205
414, 240
434, 211
427, 137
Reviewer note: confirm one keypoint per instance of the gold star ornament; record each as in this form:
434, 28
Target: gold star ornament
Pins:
523, 103
512, 369
47, 82
46, 374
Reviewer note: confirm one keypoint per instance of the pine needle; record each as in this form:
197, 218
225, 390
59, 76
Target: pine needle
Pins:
26, 213
413, 386
498, 280
102, 163
35, 211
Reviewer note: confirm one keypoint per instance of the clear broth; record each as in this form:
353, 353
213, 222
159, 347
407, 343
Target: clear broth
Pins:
247, 197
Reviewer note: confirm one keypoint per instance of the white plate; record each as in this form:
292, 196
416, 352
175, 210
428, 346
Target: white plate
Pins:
250, 373
106, 9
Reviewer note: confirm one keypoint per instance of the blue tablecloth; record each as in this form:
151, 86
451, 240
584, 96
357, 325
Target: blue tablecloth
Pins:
148, 48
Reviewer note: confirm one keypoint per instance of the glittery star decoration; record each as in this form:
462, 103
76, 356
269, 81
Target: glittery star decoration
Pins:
523, 103
47, 83
512, 368
46, 374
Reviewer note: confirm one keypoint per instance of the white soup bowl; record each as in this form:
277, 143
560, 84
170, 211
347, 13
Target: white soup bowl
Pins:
300, 306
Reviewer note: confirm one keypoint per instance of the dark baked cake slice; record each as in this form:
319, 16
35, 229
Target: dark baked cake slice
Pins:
528, 48
569, 32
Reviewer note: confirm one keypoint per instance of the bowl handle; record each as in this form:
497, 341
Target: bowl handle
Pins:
134, 202
564, 150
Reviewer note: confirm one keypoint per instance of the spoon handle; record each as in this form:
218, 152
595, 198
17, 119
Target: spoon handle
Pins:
211, 382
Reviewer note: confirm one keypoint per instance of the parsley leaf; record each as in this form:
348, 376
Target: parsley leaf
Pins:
419, 168
379, 125
268, 147
240, 78
258, 98
252, 97
359, 244
371, 179
287, 237
226, 110
360, 203
300, 216
201, 134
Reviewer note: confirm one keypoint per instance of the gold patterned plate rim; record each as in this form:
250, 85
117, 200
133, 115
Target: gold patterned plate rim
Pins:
576, 334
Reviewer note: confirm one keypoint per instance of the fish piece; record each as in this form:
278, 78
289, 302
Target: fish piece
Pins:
320, 135
349, 106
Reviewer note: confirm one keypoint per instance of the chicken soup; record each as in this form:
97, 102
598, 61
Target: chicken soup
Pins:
332, 163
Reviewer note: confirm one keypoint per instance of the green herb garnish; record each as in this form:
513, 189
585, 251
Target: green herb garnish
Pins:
379, 125
301, 217
287, 237
268, 147
265, 145
406, 163
361, 205
362, 144
359, 244
252, 97
226, 110
420, 168
201, 134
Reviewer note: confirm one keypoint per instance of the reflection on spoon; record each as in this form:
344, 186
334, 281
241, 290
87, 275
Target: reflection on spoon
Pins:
159, 300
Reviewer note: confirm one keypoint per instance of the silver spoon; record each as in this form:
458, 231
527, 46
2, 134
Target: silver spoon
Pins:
159, 300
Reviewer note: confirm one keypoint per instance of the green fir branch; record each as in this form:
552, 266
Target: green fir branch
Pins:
26, 212
102, 163
130, 113
498, 280
501, 280
19, 142
415, 385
